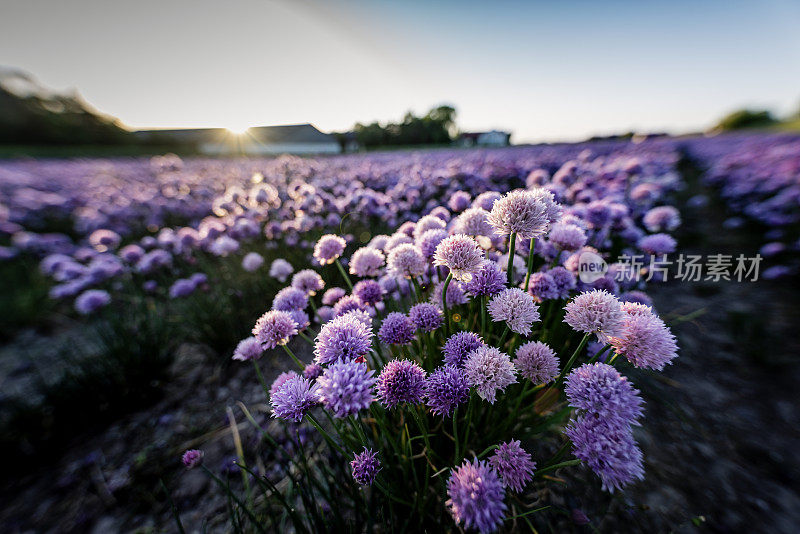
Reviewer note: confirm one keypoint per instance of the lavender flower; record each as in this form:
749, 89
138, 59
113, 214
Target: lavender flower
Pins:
426, 317
223, 246
567, 236
595, 312
563, 279
312, 371
248, 349
446, 388
658, 244
308, 281
274, 328
400, 381
606, 448
543, 287
476, 496
489, 370
528, 214
396, 329
461, 254
537, 362
280, 269
516, 308
342, 338
280, 380
406, 261
348, 304
661, 219
455, 295
367, 262
181, 288
92, 300
345, 387
428, 242
513, 464
293, 399
474, 222
459, 345
365, 467
486, 200
428, 222
599, 390
192, 458
459, 201
329, 248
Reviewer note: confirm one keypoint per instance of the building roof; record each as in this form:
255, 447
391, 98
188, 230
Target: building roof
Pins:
289, 133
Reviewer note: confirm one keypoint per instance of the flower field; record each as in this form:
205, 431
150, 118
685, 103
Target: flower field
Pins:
485, 340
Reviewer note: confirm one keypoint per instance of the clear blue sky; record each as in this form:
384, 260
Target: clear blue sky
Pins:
545, 70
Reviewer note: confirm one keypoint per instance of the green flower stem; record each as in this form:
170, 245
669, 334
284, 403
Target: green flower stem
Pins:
325, 434
344, 273
306, 338
444, 304
297, 361
503, 336
483, 315
530, 264
486, 451
511, 244
572, 359
313, 306
247, 510
455, 436
260, 377
549, 468
600, 353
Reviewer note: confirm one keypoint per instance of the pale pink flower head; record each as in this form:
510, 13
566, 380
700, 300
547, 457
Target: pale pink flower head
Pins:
595, 312
461, 254
490, 371
528, 214
367, 262
406, 260
516, 308
329, 248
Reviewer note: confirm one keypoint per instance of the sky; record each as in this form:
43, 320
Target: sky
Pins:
546, 71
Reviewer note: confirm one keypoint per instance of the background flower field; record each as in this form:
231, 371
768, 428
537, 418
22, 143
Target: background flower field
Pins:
128, 285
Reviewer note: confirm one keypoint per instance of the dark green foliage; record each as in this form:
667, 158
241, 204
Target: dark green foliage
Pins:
745, 118
435, 128
23, 296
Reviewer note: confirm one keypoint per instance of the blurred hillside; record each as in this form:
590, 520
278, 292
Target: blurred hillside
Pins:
34, 115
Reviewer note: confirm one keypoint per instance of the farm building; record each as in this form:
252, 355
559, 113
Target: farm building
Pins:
256, 141
490, 138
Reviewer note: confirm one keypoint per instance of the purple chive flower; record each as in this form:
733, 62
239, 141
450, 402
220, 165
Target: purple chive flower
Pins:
365, 467
595, 312
516, 308
490, 371
406, 261
280, 269
428, 222
252, 262
325, 314
488, 280
528, 214
400, 381
662, 219
301, 318
426, 317
645, 340
537, 362
474, 222
459, 345
183, 287
293, 399
312, 371
192, 458
342, 338
459, 201
368, 291
428, 242
513, 464
476, 496
332, 295
638, 297
131, 253
397, 329
567, 236
461, 254
329, 248
441, 212
658, 244
446, 388
223, 246
486, 200
606, 448
280, 380
367, 262
543, 287
290, 298
455, 294
397, 239
599, 390
348, 304
274, 328
308, 281
92, 300
345, 387
104, 240
564, 281
248, 349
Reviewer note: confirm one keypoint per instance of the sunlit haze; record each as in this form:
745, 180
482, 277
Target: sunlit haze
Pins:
543, 70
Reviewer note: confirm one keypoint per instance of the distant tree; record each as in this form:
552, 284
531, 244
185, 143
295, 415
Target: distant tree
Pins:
436, 127
745, 118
